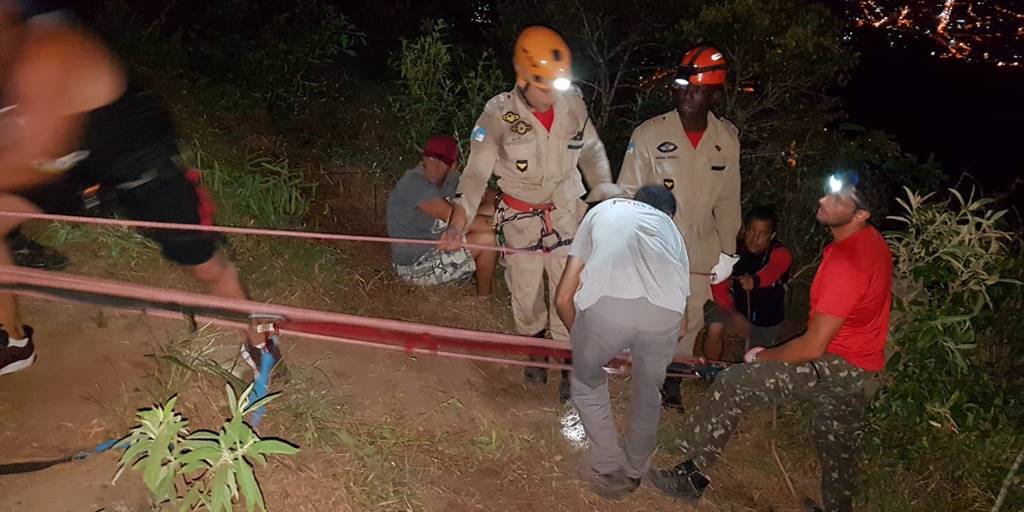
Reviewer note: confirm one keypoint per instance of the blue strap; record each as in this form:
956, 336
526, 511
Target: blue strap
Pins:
100, 448
262, 384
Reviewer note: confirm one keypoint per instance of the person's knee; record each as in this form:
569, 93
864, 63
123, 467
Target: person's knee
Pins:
482, 238
217, 269
715, 329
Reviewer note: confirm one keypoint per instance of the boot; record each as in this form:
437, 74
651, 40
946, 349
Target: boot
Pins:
671, 396
536, 374
29, 253
684, 482
565, 385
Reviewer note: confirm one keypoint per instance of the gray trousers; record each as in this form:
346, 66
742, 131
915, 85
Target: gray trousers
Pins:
601, 332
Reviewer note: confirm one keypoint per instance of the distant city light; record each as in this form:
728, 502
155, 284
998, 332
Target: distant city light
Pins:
963, 29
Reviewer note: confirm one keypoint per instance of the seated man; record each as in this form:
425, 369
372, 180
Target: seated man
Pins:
828, 366
753, 300
420, 206
624, 288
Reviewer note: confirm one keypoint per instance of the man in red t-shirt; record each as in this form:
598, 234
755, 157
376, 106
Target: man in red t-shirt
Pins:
828, 365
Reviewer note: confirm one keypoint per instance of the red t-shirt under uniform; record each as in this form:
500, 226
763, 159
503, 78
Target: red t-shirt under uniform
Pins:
854, 282
546, 118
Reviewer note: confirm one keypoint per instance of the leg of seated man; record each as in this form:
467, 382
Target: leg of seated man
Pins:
714, 344
481, 233
714, 341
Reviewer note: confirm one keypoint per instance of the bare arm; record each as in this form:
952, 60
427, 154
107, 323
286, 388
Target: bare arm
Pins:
437, 208
40, 89
808, 346
567, 286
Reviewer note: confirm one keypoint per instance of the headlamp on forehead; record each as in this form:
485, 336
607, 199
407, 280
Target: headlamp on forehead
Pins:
562, 84
687, 75
845, 184
841, 181
835, 185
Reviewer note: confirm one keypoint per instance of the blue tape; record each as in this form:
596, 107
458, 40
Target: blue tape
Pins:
105, 445
262, 384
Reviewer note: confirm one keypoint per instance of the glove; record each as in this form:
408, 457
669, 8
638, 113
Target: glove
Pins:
751, 355
723, 269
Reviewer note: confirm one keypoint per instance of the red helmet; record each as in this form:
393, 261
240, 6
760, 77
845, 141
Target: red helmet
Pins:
703, 65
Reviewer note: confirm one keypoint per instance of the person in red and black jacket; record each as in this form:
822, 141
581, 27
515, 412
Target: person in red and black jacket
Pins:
754, 299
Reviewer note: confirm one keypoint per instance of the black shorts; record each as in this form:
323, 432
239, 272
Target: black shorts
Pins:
168, 197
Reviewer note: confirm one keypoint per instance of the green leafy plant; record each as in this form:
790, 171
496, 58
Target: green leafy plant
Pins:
443, 91
944, 418
267, 193
202, 469
947, 259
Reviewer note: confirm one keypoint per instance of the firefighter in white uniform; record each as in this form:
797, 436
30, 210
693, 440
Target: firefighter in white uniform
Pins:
535, 139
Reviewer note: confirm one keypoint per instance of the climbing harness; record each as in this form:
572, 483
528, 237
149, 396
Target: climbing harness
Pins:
523, 210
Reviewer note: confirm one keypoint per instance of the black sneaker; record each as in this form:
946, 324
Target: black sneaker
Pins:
13, 359
671, 396
614, 487
535, 375
565, 388
683, 482
29, 253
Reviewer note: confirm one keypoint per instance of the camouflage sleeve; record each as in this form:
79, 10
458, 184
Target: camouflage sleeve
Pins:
483, 154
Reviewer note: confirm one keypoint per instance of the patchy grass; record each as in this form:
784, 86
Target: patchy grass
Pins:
190, 360
312, 410
119, 246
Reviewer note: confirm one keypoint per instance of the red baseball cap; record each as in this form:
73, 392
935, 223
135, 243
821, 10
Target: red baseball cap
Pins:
442, 147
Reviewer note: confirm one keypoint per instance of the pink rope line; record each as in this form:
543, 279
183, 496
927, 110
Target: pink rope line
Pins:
144, 224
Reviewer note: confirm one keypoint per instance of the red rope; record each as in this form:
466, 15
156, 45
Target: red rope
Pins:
337, 327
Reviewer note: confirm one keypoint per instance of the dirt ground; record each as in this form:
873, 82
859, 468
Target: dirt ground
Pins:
422, 433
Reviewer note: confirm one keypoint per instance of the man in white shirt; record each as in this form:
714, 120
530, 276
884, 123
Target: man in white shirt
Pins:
624, 287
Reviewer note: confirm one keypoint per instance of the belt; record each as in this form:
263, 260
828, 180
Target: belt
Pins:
526, 210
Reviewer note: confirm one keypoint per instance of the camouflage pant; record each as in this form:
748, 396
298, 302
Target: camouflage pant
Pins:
834, 386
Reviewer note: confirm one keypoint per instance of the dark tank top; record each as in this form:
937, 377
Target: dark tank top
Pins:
126, 139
